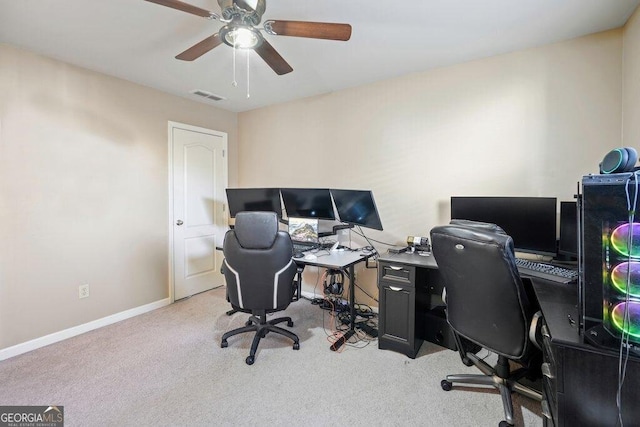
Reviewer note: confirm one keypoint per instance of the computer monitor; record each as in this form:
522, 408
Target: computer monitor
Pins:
568, 242
254, 199
357, 207
530, 221
303, 230
308, 203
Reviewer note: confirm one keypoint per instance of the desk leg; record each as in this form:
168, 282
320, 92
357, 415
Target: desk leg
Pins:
352, 312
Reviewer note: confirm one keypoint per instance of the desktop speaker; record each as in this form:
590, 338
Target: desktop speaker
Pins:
619, 160
610, 259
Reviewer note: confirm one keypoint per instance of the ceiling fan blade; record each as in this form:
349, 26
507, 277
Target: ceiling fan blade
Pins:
199, 49
313, 30
185, 7
273, 58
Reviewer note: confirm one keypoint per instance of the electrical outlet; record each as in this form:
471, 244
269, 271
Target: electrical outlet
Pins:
83, 291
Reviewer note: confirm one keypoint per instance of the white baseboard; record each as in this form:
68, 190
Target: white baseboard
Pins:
80, 329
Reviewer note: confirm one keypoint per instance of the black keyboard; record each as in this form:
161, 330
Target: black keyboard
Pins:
298, 247
546, 271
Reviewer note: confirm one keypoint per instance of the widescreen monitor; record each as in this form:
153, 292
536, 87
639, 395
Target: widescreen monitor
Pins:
568, 242
308, 203
530, 221
254, 199
357, 207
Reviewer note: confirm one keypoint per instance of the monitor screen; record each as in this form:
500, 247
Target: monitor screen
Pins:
530, 221
308, 203
568, 243
253, 199
357, 207
303, 230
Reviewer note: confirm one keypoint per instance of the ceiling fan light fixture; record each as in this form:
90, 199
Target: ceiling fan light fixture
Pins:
241, 37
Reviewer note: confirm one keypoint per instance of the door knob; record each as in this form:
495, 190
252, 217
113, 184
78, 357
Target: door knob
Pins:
179, 222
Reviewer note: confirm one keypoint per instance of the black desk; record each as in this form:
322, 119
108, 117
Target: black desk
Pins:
345, 262
581, 380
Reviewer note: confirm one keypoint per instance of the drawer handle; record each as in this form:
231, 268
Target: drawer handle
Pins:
393, 288
393, 267
546, 370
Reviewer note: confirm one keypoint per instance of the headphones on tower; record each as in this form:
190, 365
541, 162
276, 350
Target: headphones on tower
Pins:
622, 159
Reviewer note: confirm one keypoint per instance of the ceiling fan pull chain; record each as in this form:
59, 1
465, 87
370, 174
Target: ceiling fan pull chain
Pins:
248, 94
234, 83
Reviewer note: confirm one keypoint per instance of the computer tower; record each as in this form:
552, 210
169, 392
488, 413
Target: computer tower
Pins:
610, 259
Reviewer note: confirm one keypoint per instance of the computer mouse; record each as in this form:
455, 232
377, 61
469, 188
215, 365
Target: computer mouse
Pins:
310, 256
298, 254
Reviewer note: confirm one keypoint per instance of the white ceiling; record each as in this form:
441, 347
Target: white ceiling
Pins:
137, 40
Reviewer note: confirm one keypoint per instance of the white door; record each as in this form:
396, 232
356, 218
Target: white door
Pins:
198, 172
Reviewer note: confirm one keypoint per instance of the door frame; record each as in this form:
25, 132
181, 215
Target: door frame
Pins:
177, 125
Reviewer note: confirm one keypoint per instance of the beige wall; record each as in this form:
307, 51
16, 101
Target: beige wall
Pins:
83, 192
83, 160
631, 83
527, 123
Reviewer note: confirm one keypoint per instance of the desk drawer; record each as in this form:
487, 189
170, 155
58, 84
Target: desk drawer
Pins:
399, 273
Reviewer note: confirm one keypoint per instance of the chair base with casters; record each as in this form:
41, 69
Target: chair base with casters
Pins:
499, 377
258, 323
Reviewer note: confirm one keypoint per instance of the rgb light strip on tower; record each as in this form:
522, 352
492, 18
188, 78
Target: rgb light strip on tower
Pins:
617, 318
619, 240
622, 284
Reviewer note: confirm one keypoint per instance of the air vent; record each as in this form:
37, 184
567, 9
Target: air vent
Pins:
209, 95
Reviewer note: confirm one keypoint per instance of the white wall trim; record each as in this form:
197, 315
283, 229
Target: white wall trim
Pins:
171, 125
80, 329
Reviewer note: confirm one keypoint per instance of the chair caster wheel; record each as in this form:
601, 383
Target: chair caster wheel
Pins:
224, 344
296, 346
467, 362
250, 360
504, 424
247, 323
446, 385
290, 323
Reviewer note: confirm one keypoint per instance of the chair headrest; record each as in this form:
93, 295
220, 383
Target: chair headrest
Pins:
256, 230
484, 234
486, 226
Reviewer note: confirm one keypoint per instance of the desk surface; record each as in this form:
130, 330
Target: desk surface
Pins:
334, 259
426, 261
559, 305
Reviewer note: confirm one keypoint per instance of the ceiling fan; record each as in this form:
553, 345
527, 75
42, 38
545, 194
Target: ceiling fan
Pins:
241, 18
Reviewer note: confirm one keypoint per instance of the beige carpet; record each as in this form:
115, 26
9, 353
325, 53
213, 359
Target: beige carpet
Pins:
166, 367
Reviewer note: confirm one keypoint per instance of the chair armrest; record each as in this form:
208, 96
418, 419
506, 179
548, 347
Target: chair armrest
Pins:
534, 329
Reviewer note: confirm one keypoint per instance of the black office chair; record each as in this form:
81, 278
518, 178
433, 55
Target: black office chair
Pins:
488, 304
259, 272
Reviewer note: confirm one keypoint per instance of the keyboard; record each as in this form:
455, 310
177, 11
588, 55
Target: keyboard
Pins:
546, 271
300, 247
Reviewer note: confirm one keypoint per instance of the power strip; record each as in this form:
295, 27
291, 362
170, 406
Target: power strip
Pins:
369, 330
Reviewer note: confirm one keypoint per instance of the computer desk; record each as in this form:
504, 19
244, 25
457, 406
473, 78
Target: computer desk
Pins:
344, 261
580, 380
